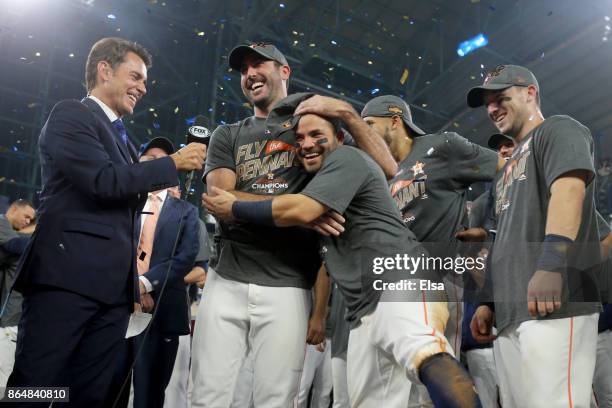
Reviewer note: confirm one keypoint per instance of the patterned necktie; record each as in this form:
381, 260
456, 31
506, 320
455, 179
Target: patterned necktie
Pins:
145, 247
121, 129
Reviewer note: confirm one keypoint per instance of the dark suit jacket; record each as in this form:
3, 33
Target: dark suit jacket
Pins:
173, 314
92, 189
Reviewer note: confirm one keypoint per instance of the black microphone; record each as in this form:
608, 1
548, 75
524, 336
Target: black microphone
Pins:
197, 133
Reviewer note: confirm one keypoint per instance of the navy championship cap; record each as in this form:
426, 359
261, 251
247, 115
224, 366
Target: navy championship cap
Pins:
497, 139
159, 142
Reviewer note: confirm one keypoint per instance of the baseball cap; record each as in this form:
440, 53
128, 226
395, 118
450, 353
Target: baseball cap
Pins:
502, 77
268, 51
281, 118
389, 105
159, 142
496, 139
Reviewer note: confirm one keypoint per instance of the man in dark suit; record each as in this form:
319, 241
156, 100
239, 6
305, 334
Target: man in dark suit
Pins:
78, 273
177, 220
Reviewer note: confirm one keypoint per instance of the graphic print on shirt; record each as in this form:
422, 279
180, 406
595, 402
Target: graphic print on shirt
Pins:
259, 160
514, 170
404, 191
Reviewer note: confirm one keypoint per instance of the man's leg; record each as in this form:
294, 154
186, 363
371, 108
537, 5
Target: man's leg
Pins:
454, 291
602, 381
8, 343
340, 388
279, 321
507, 356
99, 361
481, 366
219, 341
153, 368
373, 379
243, 393
176, 391
412, 332
558, 359
51, 327
322, 384
312, 360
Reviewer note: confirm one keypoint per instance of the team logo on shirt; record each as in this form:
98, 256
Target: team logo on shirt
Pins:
418, 168
260, 158
515, 170
270, 184
278, 146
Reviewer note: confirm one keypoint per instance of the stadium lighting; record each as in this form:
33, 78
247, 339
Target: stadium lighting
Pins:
472, 44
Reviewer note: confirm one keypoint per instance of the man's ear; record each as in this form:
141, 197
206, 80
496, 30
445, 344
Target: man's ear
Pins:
532, 92
285, 72
340, 136
396, 122
104, 70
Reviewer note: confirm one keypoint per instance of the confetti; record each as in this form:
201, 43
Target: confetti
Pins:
404, 76
176, 110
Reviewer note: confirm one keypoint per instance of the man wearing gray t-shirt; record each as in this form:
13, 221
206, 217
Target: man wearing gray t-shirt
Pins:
546, 249
396, 328
258, 291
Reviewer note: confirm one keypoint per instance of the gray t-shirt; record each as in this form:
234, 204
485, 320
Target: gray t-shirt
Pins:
203, 253
430, 188
558, 145
8, 270
604, 275
339, 326
264, 164
350, 183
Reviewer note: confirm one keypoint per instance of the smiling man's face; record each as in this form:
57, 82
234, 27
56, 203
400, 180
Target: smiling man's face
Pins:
261, 80
314, 141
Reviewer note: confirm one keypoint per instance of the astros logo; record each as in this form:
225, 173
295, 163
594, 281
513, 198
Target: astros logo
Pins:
418, 168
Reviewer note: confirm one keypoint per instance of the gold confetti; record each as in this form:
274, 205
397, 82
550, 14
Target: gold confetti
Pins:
176, 110
405, 75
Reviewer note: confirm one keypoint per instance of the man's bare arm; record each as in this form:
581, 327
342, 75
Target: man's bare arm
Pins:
225, 179
286, 210
296, 210
565, 206
366, 138
316, 323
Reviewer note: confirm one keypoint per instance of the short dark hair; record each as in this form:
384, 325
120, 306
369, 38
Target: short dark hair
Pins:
112, 50
20, 202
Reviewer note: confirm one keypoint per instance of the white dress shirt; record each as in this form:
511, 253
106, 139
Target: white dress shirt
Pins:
163, 194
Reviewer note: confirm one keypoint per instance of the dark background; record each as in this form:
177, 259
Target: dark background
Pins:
353, 49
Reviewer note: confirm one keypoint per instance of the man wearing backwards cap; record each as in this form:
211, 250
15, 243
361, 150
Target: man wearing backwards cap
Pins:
430, 188
393, 335
158, 260
545, 250
257, 295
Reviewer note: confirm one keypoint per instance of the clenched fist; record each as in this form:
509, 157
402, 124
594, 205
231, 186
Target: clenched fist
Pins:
190, 157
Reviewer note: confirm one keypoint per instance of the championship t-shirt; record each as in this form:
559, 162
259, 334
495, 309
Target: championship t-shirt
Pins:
604, 276
264, 164
350, 183
431, 185
522, 194
339, 326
